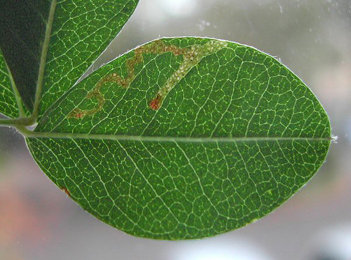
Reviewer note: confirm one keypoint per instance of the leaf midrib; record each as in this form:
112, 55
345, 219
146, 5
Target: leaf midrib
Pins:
43, 60
30, 134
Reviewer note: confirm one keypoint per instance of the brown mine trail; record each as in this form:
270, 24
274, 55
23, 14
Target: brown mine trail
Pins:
192, 55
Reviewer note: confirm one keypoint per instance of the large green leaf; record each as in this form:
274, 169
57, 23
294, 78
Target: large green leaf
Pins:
57, 38
8, 105
183, 138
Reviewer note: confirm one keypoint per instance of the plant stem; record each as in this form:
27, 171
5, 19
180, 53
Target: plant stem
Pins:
24, 121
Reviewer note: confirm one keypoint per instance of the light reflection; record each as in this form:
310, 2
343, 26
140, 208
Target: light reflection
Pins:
180, 7
332, 243
220, 250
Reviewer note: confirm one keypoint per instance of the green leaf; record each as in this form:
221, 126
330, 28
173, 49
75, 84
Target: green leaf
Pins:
8, 105
49, 44
22, 33
183, 138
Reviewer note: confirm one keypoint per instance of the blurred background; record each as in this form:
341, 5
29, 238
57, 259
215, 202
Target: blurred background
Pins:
311, 37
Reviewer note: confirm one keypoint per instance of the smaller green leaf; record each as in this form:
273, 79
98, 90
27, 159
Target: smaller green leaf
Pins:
8, 105
82, 29
48, 45
22, 33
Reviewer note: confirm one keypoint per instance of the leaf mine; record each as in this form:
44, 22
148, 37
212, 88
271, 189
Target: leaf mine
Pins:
191, 57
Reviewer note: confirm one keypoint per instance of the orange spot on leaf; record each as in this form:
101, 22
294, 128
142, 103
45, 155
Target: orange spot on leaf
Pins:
79, 115
155, 104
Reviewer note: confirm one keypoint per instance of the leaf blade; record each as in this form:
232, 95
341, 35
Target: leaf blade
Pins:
137, 203
226, 143
148, 82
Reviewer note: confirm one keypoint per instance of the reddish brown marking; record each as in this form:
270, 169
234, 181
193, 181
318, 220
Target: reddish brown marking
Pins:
155, 104
79, 115
157, 47
66, 191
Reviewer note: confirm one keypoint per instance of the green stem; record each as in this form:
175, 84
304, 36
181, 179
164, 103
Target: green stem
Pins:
24, 121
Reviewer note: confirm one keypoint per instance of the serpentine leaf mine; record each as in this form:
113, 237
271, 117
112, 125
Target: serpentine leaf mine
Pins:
191, 57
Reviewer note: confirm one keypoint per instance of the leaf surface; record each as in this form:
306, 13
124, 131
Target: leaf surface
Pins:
50, 44
183, 138
8, 105
22, 33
